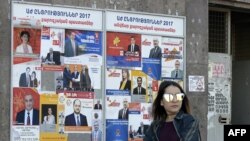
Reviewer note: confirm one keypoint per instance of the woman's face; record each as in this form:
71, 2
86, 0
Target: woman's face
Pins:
33, 75
50, 111
124, 74
25, 38
171, 107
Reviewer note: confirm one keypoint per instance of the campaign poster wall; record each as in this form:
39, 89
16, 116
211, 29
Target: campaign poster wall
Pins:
64, 46
48, 82
141, 51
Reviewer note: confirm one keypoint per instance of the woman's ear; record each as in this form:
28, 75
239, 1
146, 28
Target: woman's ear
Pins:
162, 103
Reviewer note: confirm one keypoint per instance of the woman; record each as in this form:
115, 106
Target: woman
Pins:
33, 82
49, 119
171, 116
125, 84
24, 47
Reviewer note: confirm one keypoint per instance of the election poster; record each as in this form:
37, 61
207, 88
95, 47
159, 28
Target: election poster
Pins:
25, 116
172, 58
83, 46
139, 84
123, 49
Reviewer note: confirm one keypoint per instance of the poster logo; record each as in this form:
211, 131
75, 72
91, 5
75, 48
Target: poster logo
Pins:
116, 41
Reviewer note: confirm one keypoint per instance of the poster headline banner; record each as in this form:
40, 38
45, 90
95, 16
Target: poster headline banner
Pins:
145, 24
40, 15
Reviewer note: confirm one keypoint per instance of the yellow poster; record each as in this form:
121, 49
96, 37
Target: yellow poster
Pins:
50, 127
139, 86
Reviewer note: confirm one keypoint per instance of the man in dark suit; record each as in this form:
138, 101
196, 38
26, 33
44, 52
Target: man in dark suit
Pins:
142, 129
28, 116
123, 113
139, 89
25, 78
85, 80
76, 76
71, 46
133, 47
53, 57
156, 51
67, 77
76, 118
98, 106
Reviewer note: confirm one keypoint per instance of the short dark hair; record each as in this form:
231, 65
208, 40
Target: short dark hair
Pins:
33, 72
139, 78
25, 33
76, 100
159, 112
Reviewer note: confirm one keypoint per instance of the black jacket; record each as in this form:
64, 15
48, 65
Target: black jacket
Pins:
187, 128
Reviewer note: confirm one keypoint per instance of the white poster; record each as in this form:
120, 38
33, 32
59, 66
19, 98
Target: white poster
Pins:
196, 83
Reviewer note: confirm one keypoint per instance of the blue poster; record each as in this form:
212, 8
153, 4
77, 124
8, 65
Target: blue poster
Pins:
123, 61
116, 130
152, 67
117, 92
83, 42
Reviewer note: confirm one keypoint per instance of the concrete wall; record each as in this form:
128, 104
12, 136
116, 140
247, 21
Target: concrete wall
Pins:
5, 70
197, 56
196, 12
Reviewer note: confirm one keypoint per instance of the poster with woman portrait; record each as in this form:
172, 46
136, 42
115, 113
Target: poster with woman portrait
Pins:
25, 75
48, 118
121, 81
26, 44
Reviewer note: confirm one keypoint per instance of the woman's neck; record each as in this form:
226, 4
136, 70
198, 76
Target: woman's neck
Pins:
171, 116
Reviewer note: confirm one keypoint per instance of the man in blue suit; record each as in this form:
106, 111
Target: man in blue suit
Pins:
71, 46
96, 133
25, 78
177, 72
76, 118
28, 116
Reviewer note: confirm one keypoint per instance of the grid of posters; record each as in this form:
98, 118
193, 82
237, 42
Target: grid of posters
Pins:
56, 77
140, 52
58, 70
